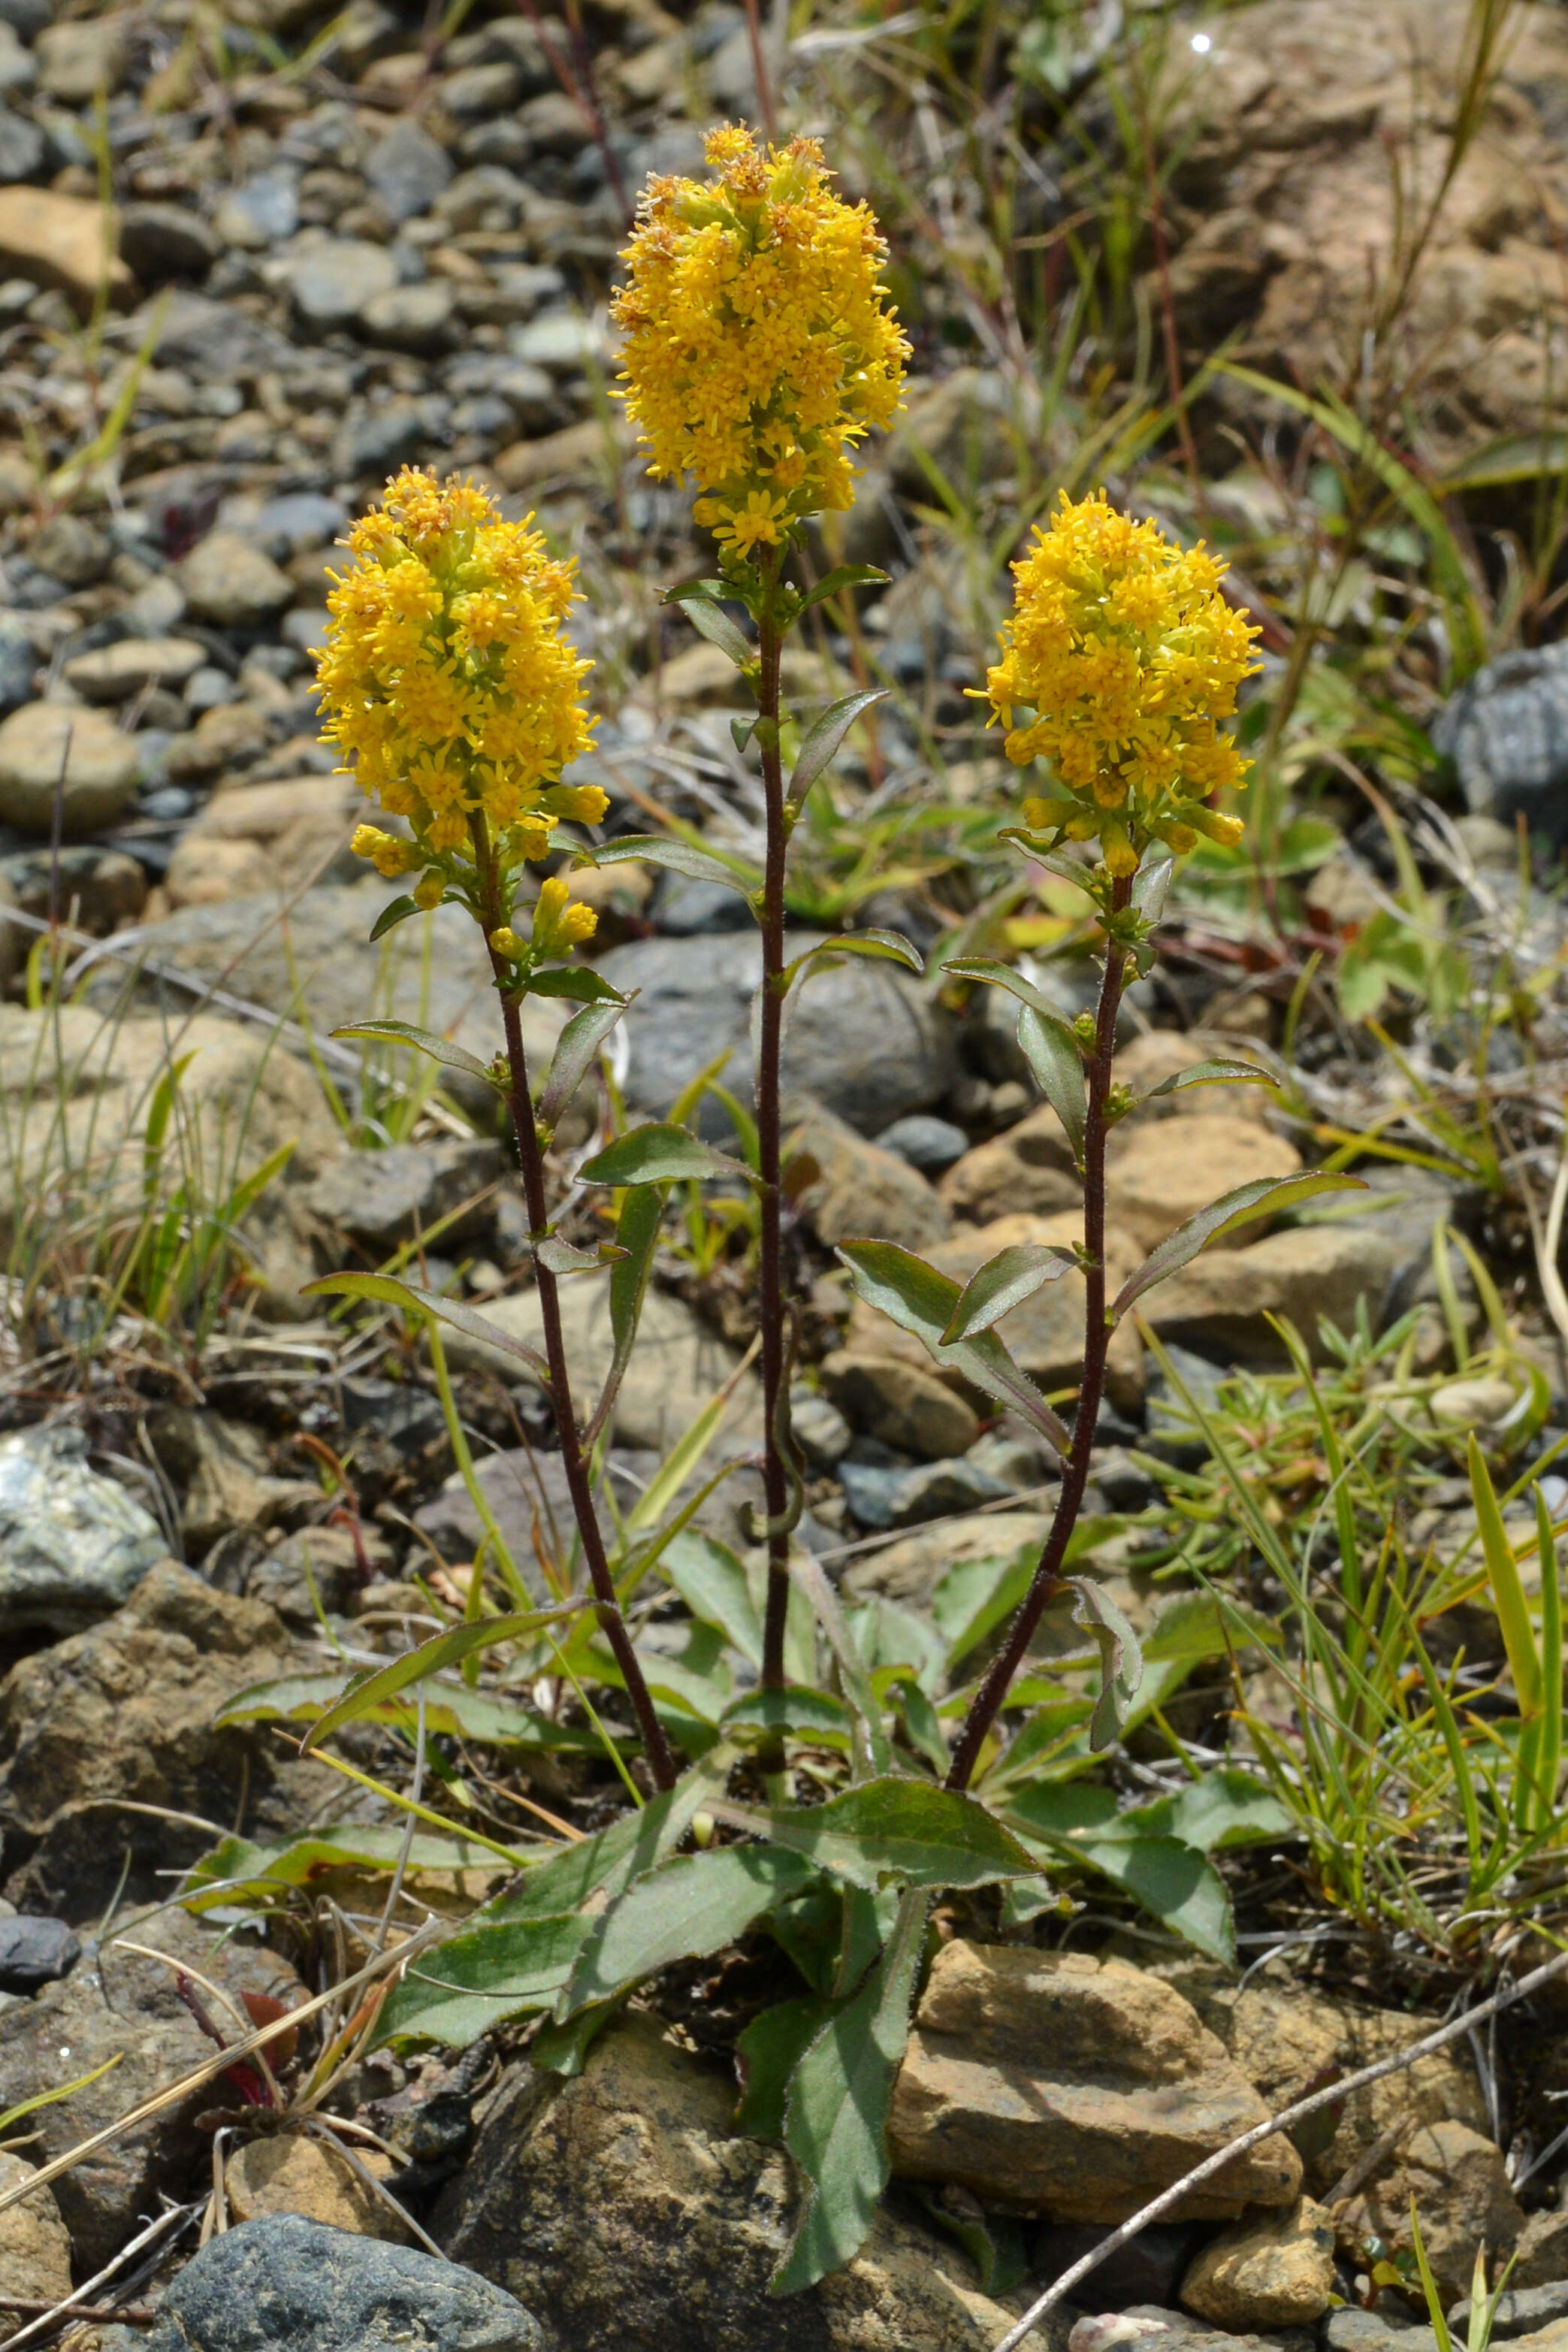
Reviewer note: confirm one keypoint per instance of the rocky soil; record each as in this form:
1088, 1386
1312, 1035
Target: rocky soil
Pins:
340, 242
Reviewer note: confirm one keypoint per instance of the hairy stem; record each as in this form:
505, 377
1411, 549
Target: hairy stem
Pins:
771, 1277
655, 1747
991, 1697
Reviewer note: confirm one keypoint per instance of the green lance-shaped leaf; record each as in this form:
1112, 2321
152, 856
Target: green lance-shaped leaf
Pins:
574, 981
1003, 1283
922, 1301
890, 946
396, 910
1151, 887
499, 1720
677, 856
714, 1586
1209, 1074
659, 1153
710, 621
480, 1979
636, 1233
846, 575
1121, 1663
1508, 1588
836, 2117
824, 739
425, 1041
392, 1292
1052, 1052
686, 1910
893, 1828
577, 1049
443, 1649
1260, 1198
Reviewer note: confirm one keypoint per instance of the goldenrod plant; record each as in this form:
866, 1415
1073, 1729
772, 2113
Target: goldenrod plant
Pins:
760, 348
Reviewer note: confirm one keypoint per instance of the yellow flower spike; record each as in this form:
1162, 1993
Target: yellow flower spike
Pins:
505, 942
759, 344
429, 890
1128, 657
446, 677
390, 854
558, 926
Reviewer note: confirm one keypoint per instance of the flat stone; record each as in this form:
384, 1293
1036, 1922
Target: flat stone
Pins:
1522, 2310
159, 241
1506, 731
858, 1187
22, 148
408, 169
1305, 1273
930, 1144
1027, 1172
1051, 2082
420, 319
262, 211
46, 740
1276, 2272
57, 240
75, 61
73, 1544
331, 283
910, 1569
228, 580
35, 2244
1160, 1175
385, 1198
309, 2177
296, 521
115, 673
690, 2219
18, 665
283, 2280
73, 550
35, 1951
903, 1404
1459, 2182
1388, 2329
907, 1498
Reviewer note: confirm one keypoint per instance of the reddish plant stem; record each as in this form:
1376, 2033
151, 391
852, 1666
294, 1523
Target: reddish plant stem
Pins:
991, 1697
655, 1747
770, 1272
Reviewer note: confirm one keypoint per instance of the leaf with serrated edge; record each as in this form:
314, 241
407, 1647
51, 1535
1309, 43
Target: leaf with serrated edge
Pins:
391, 1292
1121, 1663
1257, 1199
922, 1301
1052, 1051
684, 1910
577, 1049
658, 1153
837, 2107
1003, 1283
891, 1828
424, 1040
826, 736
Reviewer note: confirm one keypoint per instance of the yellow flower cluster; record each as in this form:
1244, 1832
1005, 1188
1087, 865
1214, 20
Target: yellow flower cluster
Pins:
448, 680
1128, 656
759, 347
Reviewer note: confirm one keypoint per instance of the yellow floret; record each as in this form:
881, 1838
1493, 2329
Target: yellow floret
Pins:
1128, 656
759, 342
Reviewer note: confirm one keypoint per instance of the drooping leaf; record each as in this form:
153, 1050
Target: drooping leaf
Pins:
1260, 1198
394, 1292
237, 1870
425, 1041
922, 1301
766, 2054
689, 1907
659, 1153
1209, 1074
677, 858
836, 2113
891, 947
822, 741
892, 1828
417, 1665
1052, 1052
1121, 1663
844, 575
497, 1719
577, 1049
713, 1584
1003, 1283
396, 910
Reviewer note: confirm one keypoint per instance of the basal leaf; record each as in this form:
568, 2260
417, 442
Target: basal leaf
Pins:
392, 1292
922, 1301
1052, 1052
809, 1715
239, 1869
687, 1909
417, 1665
497, 1719
424, 1040
1003, 1283
713, 1584
1120, 1663
475, 1980
658, 1153
1177, 1885
1260, 1198
825, 736
1226, 1807
766, 2054
893, 1828
577, 1049
836, 2113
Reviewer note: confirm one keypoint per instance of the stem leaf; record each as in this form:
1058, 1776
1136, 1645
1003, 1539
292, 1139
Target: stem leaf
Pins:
1209, 1074
659, 1153
576, 1050
825, 736
372, 1690
847, 575
710, 621
1260, 1198
439, 1049
396, 910
1003, 1283
1052, 1051
1121, 1660
678, 857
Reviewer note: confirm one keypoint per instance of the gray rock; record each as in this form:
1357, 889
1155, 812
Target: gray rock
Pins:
214, 341
419, 318
907, 1498
18, 70
476, 90
26, 18
385, 1198
49, 749
374, 440
228, 580
1521, 2311
78, 59
286, 2280
1506, 731
72, 550
262, 211
1389, 2330
929, 1144
18, 661
863, 1038
35, 1952
296, 521
159, 241
563, 342
696, 910
114, 673
331, 283
408, 170
23, 148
